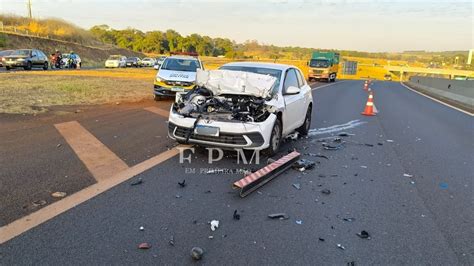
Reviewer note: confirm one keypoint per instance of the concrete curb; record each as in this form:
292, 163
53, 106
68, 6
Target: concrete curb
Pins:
459, 101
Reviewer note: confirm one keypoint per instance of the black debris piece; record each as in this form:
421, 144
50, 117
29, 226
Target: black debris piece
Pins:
196, 253
236, 215
334, 175
351, 263
321, 175
326, 191
356, 174
349, 219
303, 164
330, 147
207, 191
380, 143
369, 145
281, 216
345, 134
322, 239
363, 234
137, 182
183, 183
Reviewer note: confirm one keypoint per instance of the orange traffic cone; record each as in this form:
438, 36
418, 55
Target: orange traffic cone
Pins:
369, 107
366, 85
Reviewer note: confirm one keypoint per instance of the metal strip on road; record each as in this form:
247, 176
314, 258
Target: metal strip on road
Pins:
30, 221
436, 100
99, 160
157, 111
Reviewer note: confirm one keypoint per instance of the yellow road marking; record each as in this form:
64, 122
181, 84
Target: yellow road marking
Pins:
101, 162
157, 111
32, 220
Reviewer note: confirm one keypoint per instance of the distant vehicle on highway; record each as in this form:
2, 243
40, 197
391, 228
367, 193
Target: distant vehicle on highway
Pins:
159, 61
115, 61
176, 74
323, 66
148, 62
278, 103
27, 59
387, 77
133, 62
74, 57
2, 56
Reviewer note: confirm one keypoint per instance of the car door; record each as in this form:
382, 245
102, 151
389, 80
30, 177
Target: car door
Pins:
34, 58
292, 102
305, 97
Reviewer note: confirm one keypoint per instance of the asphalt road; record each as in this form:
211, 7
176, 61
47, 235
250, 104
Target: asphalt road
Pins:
412, 191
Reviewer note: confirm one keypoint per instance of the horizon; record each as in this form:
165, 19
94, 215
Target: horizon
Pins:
451, 32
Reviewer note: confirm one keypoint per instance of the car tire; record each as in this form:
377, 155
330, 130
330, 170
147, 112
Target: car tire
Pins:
28, 66
304, 129
275, 139
45, 66
157, 98
7, 68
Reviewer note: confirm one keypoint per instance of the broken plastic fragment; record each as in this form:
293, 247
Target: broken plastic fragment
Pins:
281, 216
349, 219
389, 140
214, 225
297, 186
332, 147
171, 241
142, 228
144, 246
322, 239
293, 136
39, 203
341, 246
137, 182
407, 175
236, 215
326, 191
59, 194
345, 134
196, 253
303, 164
299, 222
363, 234
183, 183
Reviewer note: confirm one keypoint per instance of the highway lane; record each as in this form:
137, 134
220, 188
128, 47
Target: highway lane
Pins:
410, 219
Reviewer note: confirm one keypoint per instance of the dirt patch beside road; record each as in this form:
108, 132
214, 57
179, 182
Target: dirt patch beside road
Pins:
35, 93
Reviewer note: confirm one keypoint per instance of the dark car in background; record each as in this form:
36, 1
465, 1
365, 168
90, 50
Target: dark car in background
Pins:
27, 59
2, 56
133, 62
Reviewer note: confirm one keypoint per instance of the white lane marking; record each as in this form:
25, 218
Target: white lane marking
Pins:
335, 128
327, 85
436, 100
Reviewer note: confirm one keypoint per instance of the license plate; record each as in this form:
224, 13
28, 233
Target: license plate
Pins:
206, 130
177, 89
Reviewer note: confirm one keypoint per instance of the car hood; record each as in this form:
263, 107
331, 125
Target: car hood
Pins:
177, 75
236, 82
15, 56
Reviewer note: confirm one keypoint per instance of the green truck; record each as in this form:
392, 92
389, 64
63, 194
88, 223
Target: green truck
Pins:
323, 66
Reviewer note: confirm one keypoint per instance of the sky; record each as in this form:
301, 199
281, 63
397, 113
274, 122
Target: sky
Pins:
363, 25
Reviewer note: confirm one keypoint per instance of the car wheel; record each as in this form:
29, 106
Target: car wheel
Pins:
28, 66
157, 98
275, 139
304, 129
45, 66
7, 68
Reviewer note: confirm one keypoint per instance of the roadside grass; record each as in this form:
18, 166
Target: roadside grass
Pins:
32, 94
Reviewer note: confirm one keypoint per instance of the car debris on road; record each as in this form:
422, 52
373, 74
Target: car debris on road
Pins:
280, 216
197, 253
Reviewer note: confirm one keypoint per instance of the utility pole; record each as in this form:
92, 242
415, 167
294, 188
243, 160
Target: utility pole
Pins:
29, 9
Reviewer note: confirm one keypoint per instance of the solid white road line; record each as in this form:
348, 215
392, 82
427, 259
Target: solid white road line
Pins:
436, 100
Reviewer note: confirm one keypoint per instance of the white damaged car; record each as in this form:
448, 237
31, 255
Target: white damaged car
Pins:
243, 105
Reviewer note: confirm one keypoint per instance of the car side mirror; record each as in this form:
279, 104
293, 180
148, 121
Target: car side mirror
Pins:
292, 90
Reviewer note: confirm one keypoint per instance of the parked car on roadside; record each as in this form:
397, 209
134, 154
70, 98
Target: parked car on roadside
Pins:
133, 62
115, 61
148, 62
27, 59
159, 61
74, 57
243, 105
2, 56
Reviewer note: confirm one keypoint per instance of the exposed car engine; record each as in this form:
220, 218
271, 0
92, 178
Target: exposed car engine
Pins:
200, 102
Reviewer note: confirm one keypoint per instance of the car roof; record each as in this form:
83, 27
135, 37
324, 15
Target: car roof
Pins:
282, 67
183, 57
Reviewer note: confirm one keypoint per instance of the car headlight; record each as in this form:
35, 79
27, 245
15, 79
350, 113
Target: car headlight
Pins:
21, 59
158, 79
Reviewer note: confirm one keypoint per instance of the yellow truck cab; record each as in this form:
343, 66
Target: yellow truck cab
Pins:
323, 66
176, 74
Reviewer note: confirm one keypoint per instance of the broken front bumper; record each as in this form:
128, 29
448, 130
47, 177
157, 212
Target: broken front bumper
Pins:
255, 136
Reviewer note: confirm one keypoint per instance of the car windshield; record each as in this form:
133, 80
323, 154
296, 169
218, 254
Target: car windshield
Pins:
114, 57
319, 63
258, 70
21, 52
178, 64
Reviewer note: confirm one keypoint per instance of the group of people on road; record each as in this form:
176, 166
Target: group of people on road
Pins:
58, 62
